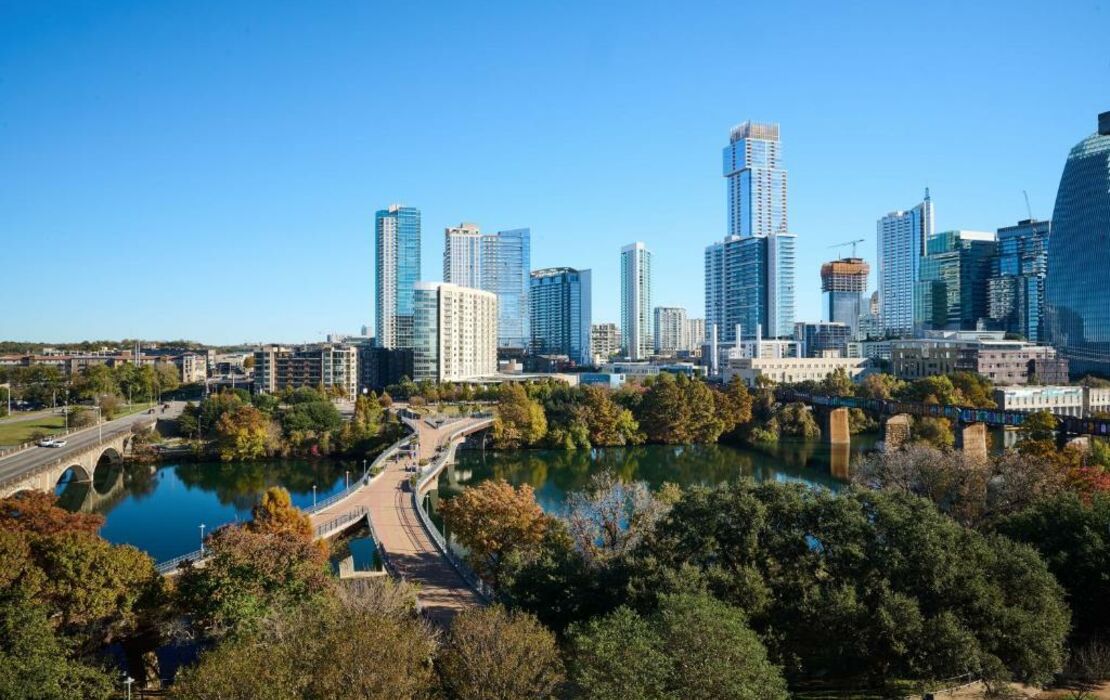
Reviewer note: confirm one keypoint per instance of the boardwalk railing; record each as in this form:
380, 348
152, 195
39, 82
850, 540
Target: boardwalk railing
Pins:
430, 472
171, 565
340, 522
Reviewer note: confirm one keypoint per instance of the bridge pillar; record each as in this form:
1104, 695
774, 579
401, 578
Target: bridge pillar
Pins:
840, 457
896, 431
837, 432
973, 440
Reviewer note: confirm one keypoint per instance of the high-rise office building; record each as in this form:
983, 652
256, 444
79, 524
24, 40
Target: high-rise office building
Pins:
560, 303
901, 237
952, 291
672, 330
1077, 294
843, 283
636, 318
1015, 290
396, 270
605, 341
454, 332
462, 255
749, 276
505, 263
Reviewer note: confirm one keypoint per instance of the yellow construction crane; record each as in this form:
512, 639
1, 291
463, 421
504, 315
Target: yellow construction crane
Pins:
851, 243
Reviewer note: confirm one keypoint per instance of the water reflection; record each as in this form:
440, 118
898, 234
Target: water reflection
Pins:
554, 473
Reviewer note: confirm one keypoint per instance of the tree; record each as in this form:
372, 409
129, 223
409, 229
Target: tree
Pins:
166, 376
837, 383
609, 518
243, 434
491, 654
973, 389
794, 420
1038, 427
364, 642
38, 513
860, 582
693, 647
249, 574
520, 421
933, 431
1074, 538
492, 520
880, 386
664, 414
734, 405
315, 417
109, 405
275, 514
607, 422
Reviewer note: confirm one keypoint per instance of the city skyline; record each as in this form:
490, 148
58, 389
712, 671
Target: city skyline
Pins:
117, 178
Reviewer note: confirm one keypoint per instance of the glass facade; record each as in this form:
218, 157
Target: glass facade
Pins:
560, 318
901, 237
505, 264
1077, 287
396, 270
756, 181
425, 349
819, 338
952, 291
1015, 290
636, 332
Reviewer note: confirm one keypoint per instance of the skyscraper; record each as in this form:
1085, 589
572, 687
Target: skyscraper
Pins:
749, 276
901, 237
952, 291
843, 283
396, 269
672, 329
560, 303
462, 255
1015, 290
506, 259
636, 332
1077, 292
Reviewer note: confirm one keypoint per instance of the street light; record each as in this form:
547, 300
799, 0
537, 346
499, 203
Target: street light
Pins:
202, 538
99, 423
348, 481
128, 681
314, 495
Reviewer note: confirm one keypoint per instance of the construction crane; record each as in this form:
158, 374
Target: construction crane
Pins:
1028, 209
851, 243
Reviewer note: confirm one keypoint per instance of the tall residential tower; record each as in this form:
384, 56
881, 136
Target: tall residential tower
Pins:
749, 276
560, 304
901, 237
636, 335
396, 270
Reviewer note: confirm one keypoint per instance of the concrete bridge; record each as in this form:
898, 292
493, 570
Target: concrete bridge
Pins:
41, 468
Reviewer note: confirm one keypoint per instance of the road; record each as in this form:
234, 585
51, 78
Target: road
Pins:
31, 459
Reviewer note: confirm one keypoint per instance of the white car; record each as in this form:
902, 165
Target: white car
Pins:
51, 442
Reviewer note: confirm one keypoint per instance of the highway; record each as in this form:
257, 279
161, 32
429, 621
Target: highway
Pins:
18, 463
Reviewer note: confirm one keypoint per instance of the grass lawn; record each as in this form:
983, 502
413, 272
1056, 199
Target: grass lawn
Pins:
12, 434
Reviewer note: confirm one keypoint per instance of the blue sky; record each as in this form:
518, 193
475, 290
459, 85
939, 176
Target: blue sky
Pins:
210, 169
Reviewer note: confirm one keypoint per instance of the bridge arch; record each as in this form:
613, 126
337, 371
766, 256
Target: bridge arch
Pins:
75, 472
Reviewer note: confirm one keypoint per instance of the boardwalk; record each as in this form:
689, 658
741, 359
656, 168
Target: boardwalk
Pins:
411, 551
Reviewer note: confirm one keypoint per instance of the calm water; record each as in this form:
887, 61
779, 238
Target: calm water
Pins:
554, 473
159, 508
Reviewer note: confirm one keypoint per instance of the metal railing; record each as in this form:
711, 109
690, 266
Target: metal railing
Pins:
171, 565
341, 521
430, 472
363, 480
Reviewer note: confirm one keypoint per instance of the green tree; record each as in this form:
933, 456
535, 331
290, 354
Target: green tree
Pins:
608, 423
837, 383
244, 434
973, 389
520, 421
1039, 427
664, 414
933, 431
880, 386
693, 647
275, 514
492, 654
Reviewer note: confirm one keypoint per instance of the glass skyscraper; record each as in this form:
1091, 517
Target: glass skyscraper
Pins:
843, 283
560, 303
636, 335
952, 291
396, 270
1077, 287
505, 264
749, 276
901, 237
1015, 290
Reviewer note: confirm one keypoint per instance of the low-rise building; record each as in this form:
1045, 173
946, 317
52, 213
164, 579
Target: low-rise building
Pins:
791, 370
988, 353
1061, 400
611, 380
1096, 400
277, 368
819, 338
605, 341
381, 367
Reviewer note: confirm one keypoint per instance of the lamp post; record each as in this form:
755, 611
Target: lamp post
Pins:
127, 682
99, 423
314, 495
348, 478
202, 538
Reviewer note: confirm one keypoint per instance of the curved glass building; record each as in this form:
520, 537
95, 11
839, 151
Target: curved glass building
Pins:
1077, 287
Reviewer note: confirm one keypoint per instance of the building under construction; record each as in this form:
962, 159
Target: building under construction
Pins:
843, 283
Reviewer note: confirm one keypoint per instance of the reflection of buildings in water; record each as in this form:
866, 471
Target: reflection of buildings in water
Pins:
840, 456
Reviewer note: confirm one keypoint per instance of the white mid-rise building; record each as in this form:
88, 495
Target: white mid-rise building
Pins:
1077, 401
791, 370
462, 255
605, 341
672, 330
454, 332
695, 334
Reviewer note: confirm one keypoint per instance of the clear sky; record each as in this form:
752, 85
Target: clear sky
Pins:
210, 170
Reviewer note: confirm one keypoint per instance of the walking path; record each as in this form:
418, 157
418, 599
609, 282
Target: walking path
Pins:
411, 552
